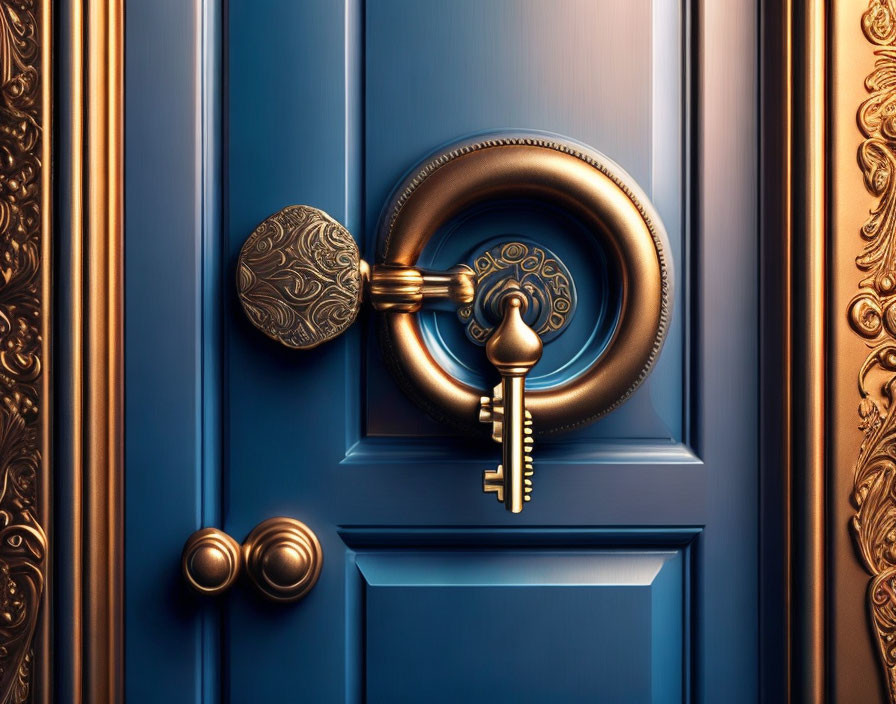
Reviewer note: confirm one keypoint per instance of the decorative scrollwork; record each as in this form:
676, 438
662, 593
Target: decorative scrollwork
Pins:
542, 277
878, 22
299, 277
872, 316
23, 543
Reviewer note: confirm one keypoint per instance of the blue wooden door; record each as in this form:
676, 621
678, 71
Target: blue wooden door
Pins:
632, 576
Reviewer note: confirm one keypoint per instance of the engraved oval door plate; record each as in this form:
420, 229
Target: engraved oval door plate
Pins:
299, 277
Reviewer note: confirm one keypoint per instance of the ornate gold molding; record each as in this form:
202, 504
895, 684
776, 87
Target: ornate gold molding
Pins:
872, 315
24, 314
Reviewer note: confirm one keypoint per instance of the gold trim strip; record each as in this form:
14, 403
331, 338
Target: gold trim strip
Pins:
103, 554
43, 691
808, 210
25, 412
75, 313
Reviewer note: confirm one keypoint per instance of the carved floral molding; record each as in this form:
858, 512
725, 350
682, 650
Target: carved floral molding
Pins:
872, 314
23, 543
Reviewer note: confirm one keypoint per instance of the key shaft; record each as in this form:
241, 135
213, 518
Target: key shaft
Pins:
514, 348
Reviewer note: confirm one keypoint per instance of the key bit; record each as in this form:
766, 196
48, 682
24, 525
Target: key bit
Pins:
493, 481
514, 348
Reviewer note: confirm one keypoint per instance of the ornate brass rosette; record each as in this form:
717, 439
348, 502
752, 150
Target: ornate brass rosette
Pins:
543, 278
299, 277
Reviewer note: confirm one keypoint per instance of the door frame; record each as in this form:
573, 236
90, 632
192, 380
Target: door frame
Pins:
793, 324
79, 644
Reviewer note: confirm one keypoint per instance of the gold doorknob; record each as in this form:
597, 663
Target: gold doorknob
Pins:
282, 557
211, 561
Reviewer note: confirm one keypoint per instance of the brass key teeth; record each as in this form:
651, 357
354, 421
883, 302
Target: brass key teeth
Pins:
528, 468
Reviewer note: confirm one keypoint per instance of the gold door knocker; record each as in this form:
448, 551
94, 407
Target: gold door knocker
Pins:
302, 281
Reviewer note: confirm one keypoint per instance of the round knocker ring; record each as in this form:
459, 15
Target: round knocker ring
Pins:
567, 176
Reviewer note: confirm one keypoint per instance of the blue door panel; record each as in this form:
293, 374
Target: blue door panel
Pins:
165, 625
632, 575
523, 626
434, 75
286, 106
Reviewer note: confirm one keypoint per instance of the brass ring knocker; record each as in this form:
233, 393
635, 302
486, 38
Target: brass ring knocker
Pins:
575, 179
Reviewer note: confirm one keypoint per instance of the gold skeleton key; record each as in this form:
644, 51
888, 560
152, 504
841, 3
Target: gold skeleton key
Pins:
514, 348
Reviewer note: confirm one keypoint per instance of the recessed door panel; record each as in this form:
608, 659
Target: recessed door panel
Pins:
446, 626
472, 67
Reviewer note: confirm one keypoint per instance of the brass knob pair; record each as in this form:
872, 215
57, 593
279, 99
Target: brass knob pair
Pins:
282, 557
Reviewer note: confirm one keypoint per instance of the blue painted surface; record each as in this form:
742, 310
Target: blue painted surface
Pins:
166, 206
459, 626
288, 115
328, 104
434, 76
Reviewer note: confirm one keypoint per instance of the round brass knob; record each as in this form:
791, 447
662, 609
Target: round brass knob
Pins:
283, 558
210, 561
